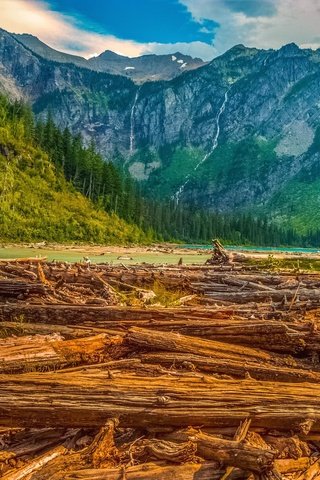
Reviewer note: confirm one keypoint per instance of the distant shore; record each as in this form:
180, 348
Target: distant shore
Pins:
158, 253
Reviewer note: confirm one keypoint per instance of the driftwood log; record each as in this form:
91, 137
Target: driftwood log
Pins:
90, 398
218, 357
40, 351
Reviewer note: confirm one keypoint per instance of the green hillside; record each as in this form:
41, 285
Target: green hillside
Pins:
36, 202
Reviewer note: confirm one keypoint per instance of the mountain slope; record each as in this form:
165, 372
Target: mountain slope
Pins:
37, 203
239, 134
35, 45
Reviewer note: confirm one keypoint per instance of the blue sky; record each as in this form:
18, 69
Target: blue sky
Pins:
203, 28
160, 21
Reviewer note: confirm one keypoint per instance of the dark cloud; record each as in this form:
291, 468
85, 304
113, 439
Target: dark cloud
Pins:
253, 8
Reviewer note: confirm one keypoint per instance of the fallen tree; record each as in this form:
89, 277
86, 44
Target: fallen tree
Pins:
90, 398
51, 351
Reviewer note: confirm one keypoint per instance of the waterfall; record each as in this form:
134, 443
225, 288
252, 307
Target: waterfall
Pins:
132, 121
180, 191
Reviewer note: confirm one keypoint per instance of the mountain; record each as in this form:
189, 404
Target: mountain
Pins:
139, 69
146, 67
240, 134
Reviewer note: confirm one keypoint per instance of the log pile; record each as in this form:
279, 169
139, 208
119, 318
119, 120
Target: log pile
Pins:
94, 391
235, 284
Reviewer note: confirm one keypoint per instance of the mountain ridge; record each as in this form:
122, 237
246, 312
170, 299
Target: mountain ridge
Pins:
139, 68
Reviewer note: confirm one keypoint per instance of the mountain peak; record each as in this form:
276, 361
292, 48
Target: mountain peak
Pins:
290, 49
110, 55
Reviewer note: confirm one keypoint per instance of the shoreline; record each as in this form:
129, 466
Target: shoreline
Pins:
158, 249
156, 253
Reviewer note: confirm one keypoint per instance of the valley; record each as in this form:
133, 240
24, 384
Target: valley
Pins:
179, 134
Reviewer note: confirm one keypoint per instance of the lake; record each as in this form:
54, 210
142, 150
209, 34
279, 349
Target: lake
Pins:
68, 254
72, 256
257, 249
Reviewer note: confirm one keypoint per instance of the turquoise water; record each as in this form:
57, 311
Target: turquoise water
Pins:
193, 256
257, 249
112, 258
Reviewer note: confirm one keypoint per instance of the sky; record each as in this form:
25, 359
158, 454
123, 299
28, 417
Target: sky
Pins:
201, 28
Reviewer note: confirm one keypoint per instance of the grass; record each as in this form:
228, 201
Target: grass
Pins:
17, 330
292, 265
166, 297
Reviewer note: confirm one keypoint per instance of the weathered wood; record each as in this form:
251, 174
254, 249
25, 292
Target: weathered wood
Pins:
239, 436
233, 453
205, 367
312, 472
289, 446
39, 351
37, 464
8, 329
157, 340
268, 335
170, 451
207, 471
100, 453
19, 449
223, 366
218, 357
272, 295
90, 398
13, 288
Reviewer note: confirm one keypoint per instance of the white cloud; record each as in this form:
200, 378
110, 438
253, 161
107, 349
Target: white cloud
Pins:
292, 21
63, 33
289, 21
60, 31
194, 49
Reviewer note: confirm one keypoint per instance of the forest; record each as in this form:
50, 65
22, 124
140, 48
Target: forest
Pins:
112, 190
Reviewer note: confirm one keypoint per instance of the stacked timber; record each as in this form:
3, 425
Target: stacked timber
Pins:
109, 284
110, 391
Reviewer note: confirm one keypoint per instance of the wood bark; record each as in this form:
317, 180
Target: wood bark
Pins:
149, 471
226, 452
13, 288
230, 368
37, 464
51, 351
219, 357
175, 400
